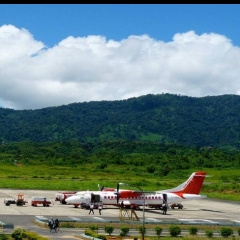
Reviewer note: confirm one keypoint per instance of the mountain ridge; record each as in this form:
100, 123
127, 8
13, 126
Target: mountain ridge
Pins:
211, 121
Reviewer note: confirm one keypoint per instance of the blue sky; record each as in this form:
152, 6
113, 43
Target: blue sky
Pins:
65, 53
50, 23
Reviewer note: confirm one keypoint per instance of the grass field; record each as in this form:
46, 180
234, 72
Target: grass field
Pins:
222, 184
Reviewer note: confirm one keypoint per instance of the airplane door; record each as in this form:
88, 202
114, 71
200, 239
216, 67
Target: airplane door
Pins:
95, 198
164, 198
92, 197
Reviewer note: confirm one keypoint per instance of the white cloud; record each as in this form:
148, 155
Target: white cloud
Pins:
94, 69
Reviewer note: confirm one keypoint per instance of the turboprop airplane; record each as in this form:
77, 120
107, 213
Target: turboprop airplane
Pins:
188, 190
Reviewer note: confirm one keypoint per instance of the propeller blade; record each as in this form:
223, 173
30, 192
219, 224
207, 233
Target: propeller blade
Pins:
118, 195
165, 201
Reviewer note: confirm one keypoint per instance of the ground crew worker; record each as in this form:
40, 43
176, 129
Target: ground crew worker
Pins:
91, 208
100, 208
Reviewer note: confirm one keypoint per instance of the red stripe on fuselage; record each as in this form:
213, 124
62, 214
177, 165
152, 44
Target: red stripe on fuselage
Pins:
129, 194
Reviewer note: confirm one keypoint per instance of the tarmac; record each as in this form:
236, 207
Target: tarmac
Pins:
202, 211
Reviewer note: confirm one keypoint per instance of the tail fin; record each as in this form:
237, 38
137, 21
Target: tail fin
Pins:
192, 186
105, 189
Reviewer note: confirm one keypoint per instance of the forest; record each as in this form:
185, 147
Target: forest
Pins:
156, 158
205, 122
162, 133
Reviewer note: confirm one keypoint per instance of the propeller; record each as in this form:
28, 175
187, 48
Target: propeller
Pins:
165, 201
117, 193
100, 188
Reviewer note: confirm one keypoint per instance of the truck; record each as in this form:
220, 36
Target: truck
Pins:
8, 201
172, 206
40, 200
61, 196
176, 205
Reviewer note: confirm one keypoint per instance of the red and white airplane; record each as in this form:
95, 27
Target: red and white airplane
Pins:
188, 190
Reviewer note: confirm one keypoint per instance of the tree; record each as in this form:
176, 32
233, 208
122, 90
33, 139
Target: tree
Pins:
124, 231
158, 231
209, 233
93, 227
226, 232
193, 230
142, 230
109, 229
174, 231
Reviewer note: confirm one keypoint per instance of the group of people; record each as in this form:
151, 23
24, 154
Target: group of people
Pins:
91, 209
53, 225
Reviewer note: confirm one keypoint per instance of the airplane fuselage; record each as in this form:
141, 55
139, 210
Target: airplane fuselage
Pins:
110, 198
187, 190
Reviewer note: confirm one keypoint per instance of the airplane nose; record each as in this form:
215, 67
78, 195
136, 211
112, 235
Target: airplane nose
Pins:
71, 199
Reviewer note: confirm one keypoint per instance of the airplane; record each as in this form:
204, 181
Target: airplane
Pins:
188, 190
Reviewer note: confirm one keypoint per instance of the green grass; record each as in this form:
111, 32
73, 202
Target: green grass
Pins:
222, 183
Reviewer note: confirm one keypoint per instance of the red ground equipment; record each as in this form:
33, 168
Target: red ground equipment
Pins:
35, 201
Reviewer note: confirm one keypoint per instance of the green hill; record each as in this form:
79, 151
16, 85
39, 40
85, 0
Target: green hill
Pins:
212, 121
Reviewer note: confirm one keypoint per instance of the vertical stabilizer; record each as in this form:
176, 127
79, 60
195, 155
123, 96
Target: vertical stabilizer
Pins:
192, 186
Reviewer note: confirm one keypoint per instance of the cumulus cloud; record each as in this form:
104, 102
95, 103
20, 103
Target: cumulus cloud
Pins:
93, 68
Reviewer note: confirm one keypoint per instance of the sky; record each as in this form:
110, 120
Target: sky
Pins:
57, 54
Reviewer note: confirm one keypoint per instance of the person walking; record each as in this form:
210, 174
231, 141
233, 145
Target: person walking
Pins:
122, 205
51, 224
100, 209
91, 208
56, 225
164, 208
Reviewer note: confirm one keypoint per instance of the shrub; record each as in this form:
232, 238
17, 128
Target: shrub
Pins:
89, 232
3, 237
19, 234
158, 231
93, 234
238, 231
102, 237
142, 230
93, 227
226, 232
209, 233
109, 229
124, 231
174, 231
193, 230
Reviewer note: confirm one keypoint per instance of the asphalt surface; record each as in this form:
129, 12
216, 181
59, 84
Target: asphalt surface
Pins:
203, 211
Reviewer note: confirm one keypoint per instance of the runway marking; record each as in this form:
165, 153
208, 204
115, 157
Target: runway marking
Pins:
210, 221
99, 218
42, 217
153, 220
238, 221
75, 218
197, 220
